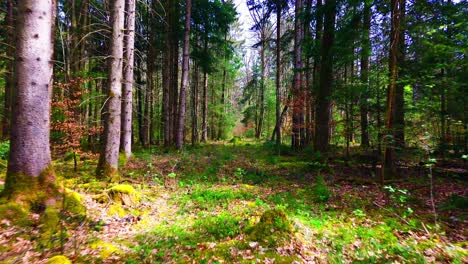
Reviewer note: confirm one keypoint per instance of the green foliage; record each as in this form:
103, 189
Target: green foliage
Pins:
4, 150
221, 226
320, 190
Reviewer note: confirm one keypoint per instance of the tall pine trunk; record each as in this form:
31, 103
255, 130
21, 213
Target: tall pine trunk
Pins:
109, 158
298, 100
185, 75
365, 54
9, 76
278, 74
127, 93
323, 111
29, 166
399, 89
388, 168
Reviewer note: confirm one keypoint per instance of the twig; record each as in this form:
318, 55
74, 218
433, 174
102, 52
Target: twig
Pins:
404, 220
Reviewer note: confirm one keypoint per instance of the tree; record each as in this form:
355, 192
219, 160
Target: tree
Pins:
185, 75
297, 87
109, 158
127, 92
388, 167
322, 121
365, 54
9, 76
29, 167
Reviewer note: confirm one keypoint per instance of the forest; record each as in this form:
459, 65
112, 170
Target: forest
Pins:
233, 131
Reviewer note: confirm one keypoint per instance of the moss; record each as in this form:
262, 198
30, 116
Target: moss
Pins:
58, 260
116, 210
105, 171
15, 213
273, 227
49, 228
74, 203
124, 194
123, 160
29, 190
105, 249
101, 198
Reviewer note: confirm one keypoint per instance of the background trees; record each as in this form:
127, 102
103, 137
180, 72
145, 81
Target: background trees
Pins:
319, 74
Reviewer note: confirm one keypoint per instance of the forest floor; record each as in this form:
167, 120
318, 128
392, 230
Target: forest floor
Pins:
240, 203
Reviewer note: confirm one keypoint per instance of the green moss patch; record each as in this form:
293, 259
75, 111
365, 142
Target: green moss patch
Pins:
273, 228
58, 260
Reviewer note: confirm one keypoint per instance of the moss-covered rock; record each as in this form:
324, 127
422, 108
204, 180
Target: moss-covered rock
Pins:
60, 259
124, 194
273, 227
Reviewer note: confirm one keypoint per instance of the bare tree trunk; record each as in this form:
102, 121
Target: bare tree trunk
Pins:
167, 77
108, 161
185, 76
261, 116
195, 106
279, 10
9, 76
399, 89
29, 167
298, 101
205, 108
388, 169
127, 100
365, 54
323, 113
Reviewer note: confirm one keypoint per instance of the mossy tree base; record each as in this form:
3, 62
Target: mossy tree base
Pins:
105, 171
33, 193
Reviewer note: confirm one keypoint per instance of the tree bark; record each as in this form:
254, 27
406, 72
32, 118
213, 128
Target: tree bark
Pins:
9, 76
388, 168
185, 75
323, 113
127, 99
195, 105
399, 89
278, 74
29, 165
109, 158
298, 100
365, 54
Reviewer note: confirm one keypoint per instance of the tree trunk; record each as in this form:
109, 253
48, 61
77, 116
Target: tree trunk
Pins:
388, 169
298, 100
195, 105
167, 76
185, 75
205, 108
365, 54
9, 76
399, 89
278, 74
108, 161
323, 115
127, 100
29, 167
